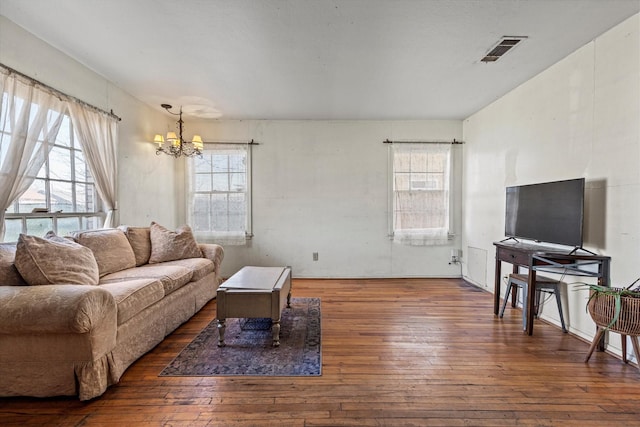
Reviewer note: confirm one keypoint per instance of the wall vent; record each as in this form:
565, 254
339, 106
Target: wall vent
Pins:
502, 47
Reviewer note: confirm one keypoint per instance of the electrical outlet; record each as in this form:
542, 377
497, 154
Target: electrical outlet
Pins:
456, 254
315, 256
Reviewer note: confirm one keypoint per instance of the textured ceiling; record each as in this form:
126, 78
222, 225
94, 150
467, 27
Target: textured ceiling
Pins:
317, 59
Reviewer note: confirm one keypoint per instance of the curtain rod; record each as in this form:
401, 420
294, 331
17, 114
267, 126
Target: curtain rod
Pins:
252, 142
454, 142
58, 93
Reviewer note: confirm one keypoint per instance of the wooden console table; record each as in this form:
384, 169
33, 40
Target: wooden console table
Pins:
549, 259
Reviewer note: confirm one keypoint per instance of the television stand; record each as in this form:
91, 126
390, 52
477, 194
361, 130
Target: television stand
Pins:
510, 238
548, 259
580, 248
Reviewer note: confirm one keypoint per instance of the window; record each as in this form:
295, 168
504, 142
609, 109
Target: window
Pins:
220, 194
420, 193
62, 197
51, 149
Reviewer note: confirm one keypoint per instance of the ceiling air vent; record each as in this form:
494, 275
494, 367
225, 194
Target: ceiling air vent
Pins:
502, 47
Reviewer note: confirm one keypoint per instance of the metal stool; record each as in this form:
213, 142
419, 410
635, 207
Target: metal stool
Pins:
543, 284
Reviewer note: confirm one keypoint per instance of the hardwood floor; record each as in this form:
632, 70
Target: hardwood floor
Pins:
415, 352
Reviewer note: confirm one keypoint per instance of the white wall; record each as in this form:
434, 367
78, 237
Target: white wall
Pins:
149, 186
321, 186
579, 118
318, 186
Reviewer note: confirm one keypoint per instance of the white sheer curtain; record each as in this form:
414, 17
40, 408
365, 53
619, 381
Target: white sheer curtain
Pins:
30, 118
420, 193
98, 135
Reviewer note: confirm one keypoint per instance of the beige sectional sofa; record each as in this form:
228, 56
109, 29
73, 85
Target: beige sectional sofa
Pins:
76, 313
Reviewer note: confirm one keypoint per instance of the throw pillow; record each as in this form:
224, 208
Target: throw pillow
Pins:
55, 260
140, 241
110, 248
167, 245
9, 275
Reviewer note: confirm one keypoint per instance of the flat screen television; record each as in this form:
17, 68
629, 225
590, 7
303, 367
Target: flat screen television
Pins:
551, 212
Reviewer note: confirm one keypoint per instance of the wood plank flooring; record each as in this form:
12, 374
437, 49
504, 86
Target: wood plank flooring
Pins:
416, 352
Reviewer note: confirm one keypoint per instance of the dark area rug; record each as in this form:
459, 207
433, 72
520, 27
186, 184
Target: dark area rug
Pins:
248, 349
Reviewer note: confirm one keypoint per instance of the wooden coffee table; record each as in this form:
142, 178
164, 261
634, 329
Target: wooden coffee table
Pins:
254, 292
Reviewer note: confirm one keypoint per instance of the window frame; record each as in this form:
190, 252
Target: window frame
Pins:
224, 237
45, 178
428, 235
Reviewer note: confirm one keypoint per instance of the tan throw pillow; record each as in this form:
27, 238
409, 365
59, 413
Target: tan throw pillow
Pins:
140, 241
167, 245
55, 260
110, 248
9, 275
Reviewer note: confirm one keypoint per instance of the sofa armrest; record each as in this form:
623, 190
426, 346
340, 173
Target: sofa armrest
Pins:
55, 309
213, 252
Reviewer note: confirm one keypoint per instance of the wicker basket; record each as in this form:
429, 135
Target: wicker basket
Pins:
602, 308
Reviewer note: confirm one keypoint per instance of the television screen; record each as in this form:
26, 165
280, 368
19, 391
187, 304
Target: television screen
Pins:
549, 212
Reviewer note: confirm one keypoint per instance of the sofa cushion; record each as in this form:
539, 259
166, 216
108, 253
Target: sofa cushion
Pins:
167, 245
200, 267
140, 241
55, 260
110, 248
133, 296
172, 277
9, 275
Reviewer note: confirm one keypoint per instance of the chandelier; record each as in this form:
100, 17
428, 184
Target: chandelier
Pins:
176, 145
